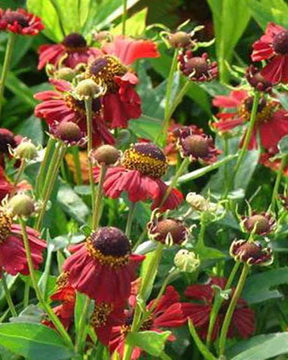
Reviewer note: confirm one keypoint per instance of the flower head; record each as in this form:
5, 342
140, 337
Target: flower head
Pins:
20, 22
139, 174
61, 106
197, 68
203, 295
68, 132
197, 146
251, 252
167, 230
271, 120
103, 267
186, 261
260, 224
73, 50
12, 252
257, 80
166, 313
273, 47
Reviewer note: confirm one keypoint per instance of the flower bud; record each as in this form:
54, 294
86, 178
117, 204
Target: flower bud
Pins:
21, 205
65, 73
26, 150
198, 202
106, 155
256, 80
179, 39
88, 89
68, 132
251, 252
186, 261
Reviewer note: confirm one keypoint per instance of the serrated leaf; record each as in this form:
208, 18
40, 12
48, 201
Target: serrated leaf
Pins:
151, 342
34, 342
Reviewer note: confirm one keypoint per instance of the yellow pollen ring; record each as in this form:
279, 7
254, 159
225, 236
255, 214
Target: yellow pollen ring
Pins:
147, 165
100, 314
63, 280
5, 225
107, 260
262, 116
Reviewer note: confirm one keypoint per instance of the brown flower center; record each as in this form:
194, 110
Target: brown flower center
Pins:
280, 43
170, 227
75, 42
196, 145
100, 314
196, 66
13, 16
265, 110
109, 246
146, 325
146, 158
5, 225
6, 139
68, 131
79, 105
104, 69
260, 222
249, 250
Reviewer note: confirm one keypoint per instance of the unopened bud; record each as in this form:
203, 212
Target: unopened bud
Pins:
21, 205
179, 39
88, 89
186, 261
26, 150
65, 73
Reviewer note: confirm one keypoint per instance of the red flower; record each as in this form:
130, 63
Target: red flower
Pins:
103, 266
166, 314
72, 51
142, 167
267, 160
7, 188
20, 22
66, 294
273, 47
12, 252
243, 321
121, 102
271, 122
59, 105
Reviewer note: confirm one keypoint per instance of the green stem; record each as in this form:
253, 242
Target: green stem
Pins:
150, 274
124, 17
82, 325
218, 302
231, 308
247, 139
283, 165
169, 87
8, 295
89, 118
50, 181
179, 98
130, 219
20, 171
200, 345
6, 65
43, 167
56, 322
97, 205
26, 294
179, 172
76, 158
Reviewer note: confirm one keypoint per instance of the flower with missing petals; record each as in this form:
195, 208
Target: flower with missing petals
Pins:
20, 22
260, 223
251, 252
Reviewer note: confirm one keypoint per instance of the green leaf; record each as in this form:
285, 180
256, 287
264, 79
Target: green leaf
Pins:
50, 17
33, 341
32, 128
151, 342
78, 310
260, 347
230, 19
72, 203
135, 25
265, 11
261, 287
